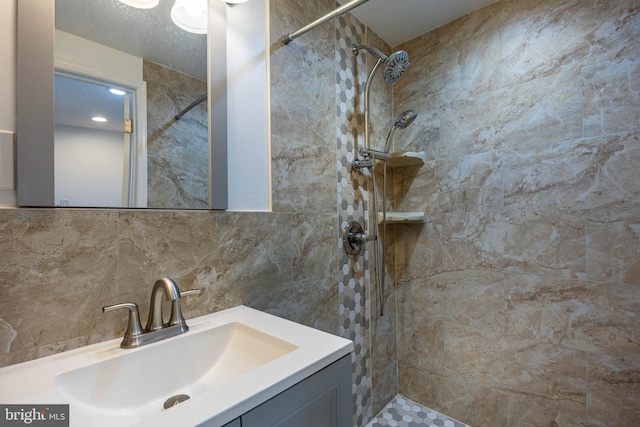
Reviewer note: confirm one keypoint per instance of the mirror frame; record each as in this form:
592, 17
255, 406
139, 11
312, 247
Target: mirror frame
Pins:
35, 107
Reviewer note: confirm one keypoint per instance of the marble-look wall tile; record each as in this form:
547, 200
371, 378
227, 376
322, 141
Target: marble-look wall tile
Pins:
536, 113
177, 149
302, 110
611, 96
302, 167
544, 243
595, 317
613, 250
57, 268
314, 304
63, 266
613, 390
419, 249
314, 248
464, 184
587, 174
467, 126
525, 271
552, 376
421, 318
566, 35
206, 250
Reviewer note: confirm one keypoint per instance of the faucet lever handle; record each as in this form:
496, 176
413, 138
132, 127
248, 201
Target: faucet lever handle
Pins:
191, 292
176, 309
134, 329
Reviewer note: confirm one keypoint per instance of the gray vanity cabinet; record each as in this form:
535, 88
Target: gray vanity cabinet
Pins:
322, 400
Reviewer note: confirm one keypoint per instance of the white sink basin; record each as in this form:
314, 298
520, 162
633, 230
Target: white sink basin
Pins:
126, 389
228, 363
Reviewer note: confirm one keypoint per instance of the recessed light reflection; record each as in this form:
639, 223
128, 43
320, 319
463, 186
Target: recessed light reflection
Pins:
98, 119
117, 91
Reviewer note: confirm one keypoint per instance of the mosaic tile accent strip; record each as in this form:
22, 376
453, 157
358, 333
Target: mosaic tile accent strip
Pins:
352, 206
402, 412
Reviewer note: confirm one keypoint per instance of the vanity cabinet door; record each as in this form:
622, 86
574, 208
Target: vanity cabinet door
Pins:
322, 400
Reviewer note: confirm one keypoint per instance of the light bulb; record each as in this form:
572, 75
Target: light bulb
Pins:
141, 4
191, 15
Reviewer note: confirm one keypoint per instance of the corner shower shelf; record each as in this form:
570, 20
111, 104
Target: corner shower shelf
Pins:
404, 218
410, 158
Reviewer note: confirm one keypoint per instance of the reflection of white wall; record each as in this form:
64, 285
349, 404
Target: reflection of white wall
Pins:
247, 98
81, 55
88, 166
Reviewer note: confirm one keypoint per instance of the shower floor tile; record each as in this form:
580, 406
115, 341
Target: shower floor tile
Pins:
402, 412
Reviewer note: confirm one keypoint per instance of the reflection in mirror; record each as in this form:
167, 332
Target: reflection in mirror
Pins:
93, 149
173, 65
229, 101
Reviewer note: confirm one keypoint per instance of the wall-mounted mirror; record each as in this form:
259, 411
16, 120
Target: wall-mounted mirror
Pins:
160, 141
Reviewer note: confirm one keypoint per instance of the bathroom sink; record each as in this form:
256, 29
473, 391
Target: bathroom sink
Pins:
129, 388
228, 363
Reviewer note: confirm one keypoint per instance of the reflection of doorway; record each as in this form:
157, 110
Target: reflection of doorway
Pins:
98, 160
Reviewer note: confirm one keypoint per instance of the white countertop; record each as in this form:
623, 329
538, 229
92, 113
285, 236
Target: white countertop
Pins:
33, 382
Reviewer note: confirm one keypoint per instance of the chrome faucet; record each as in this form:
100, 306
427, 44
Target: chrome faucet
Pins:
156, 328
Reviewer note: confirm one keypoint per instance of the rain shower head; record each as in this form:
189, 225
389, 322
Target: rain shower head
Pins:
394, 64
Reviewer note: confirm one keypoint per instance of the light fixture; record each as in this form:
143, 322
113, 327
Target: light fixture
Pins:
234, 1
190, 15
118, 92
98, 119
141, 4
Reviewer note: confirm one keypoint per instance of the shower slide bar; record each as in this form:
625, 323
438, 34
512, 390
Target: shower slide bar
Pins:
339, 11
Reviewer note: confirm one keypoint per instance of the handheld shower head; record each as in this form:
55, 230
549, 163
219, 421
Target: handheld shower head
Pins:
394, 64
405, 119
401, 122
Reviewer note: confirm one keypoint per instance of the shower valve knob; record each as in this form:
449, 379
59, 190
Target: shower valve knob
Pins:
353, 237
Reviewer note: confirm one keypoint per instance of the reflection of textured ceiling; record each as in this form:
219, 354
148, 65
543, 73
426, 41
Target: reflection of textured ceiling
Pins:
146, 33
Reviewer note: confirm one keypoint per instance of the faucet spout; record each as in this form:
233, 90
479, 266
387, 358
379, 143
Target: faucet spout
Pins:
157, 329
163, 287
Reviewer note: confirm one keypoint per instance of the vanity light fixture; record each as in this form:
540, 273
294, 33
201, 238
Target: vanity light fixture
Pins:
98, 119
141, 4
190, 15
117, 92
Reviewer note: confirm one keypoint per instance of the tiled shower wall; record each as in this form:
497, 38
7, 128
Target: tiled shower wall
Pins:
518, 300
